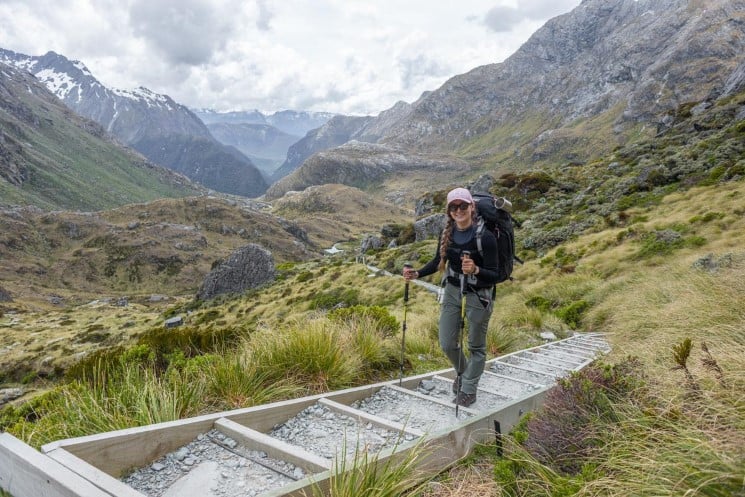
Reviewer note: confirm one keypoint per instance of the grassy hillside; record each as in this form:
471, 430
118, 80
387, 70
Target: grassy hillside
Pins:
648, 299
644, 245
98, 279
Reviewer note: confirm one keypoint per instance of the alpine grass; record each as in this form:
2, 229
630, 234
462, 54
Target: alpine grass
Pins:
372, 475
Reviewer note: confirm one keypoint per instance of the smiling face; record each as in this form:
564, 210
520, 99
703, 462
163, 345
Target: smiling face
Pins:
461, 212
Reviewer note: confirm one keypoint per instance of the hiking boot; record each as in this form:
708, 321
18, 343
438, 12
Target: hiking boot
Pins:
465, 399
455, 385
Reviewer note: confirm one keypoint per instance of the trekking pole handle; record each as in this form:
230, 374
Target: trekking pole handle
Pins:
464, 254
406, 286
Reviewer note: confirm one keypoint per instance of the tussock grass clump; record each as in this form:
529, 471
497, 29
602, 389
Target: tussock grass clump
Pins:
191, 340
323, 354
232, 381
310, 352
111, 399
158, 347
372, 475
501, 339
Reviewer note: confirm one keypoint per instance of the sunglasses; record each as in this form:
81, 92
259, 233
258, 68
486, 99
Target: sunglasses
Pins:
454, 207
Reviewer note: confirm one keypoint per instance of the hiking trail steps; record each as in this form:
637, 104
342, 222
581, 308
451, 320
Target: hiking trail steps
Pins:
285, 448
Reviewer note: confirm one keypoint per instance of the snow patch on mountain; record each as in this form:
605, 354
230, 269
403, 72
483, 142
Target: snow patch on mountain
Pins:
59, 84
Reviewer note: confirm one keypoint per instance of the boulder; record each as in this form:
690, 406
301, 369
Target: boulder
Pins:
8, 394
424, 206
247, 267
482, 185
429, 227
371, 242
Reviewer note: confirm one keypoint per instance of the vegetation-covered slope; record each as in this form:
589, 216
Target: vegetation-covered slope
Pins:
643, 244
54, 159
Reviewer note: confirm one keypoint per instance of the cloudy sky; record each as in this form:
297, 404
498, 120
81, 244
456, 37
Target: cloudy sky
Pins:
353, 57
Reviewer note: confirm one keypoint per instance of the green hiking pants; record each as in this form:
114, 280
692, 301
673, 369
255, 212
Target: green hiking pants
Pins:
477, 322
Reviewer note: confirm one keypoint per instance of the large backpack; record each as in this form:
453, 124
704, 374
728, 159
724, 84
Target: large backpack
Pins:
494, 217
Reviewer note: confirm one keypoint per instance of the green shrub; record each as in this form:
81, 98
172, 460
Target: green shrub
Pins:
29, 411
382, 319
191, 341
539, 302
707, 218
406, 235
286, 266
29, 377
571, 313
665, 242
338, 297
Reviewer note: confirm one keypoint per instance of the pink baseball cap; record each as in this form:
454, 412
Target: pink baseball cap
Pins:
460, 194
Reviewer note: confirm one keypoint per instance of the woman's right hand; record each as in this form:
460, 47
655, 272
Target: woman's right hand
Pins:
409, 273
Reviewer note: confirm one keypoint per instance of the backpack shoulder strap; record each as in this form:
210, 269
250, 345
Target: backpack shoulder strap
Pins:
480, 226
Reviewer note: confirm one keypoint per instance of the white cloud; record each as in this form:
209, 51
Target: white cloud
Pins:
344, 56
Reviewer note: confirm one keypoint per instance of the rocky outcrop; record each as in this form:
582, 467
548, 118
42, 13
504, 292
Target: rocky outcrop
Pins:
371, 242
10, 394
12, 168
340, 130
623, 62
361, 165
247, 267
429, 227
483, 184
337, 131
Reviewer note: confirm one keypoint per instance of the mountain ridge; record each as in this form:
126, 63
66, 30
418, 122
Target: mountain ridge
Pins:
146, 121
587, 81
52, 158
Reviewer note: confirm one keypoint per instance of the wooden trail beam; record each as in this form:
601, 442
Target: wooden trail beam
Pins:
26, 472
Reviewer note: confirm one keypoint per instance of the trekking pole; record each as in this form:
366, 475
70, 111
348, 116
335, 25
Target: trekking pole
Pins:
459, 377
403, 332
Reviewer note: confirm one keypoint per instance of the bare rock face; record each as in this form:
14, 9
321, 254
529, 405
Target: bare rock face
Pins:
645, 56
247, 267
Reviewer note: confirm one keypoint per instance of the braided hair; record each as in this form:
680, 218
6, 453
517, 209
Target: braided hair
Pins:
444, 242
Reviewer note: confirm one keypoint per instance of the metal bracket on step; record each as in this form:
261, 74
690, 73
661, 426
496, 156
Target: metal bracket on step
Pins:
498, 435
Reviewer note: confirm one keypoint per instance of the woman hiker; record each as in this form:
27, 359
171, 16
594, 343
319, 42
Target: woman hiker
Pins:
458, 256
